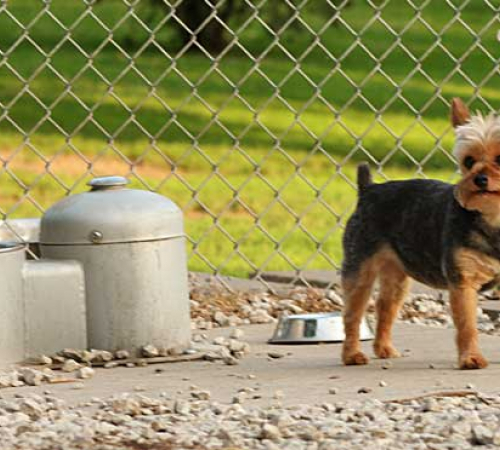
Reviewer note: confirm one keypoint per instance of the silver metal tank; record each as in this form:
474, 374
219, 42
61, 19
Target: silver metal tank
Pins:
12, 257
132, 246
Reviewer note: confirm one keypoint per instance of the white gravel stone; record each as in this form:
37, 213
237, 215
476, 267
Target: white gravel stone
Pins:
71, 353
85, 373
197, 338
87, 356
150, 351
461, 428
110, 365
221, 319
220, 340
70, 365
101, 355
269, 431
31, 377
41, 360
6, 379
201, 395
32, 408
278, 395
236, 346
230, 361
237, 334
122, 354
125, 404
182, 407
261, 316
335, 298
240, 397
482, 435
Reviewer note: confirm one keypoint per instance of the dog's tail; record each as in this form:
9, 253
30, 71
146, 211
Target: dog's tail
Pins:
364, 177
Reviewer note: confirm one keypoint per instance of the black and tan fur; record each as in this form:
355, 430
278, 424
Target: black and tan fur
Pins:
446, 236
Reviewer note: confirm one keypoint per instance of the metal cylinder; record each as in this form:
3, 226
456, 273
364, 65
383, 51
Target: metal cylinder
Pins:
132, 247
136, 293
12, 258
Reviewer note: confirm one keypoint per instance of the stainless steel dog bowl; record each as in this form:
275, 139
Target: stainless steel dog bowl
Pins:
315, 328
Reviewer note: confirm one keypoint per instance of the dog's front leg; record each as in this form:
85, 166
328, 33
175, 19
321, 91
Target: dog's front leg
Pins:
463, 301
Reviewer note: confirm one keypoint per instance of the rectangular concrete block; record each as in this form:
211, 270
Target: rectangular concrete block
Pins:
12, 258
54, 306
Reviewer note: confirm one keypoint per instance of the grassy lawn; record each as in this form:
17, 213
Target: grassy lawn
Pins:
214, 136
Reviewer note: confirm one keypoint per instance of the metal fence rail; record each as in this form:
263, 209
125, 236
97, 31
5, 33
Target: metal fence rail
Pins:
251, 114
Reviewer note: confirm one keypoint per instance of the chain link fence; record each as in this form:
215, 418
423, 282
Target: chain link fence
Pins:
250, 114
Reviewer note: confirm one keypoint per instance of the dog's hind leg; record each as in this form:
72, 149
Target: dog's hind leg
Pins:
394, 284
357, 287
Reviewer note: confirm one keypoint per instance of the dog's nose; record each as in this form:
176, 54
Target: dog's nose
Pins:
481, 180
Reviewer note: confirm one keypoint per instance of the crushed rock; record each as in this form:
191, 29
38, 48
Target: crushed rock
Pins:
137, 421
212, 303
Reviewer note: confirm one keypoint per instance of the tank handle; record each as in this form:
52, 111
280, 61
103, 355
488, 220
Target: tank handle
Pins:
107, 183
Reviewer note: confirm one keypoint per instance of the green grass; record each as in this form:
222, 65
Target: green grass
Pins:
254, 139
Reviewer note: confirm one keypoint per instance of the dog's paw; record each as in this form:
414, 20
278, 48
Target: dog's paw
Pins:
385, 351
471, 361
355, 359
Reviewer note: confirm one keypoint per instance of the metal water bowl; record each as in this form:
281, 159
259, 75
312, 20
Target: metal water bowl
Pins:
315, 328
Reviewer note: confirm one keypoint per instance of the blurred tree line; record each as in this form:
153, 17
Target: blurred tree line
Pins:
209, 21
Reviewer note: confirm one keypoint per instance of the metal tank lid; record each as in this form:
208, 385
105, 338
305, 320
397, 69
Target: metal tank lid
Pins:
111, 213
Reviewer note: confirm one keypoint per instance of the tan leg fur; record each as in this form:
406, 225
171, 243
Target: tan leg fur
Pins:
394, 284
357, 290
476, 269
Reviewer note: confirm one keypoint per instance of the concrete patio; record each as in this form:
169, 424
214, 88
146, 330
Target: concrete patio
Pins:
305, 374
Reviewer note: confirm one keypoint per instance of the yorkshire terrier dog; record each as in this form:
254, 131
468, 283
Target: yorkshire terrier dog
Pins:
446, 236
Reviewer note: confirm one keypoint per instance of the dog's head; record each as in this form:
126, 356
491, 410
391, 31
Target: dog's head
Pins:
477, 149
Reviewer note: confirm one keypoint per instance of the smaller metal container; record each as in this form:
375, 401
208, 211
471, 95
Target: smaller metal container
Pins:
12, 257
25, 231
315, 328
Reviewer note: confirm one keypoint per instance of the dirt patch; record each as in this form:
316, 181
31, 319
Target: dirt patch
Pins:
73, 165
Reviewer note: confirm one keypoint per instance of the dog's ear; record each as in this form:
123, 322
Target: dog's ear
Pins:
459, 112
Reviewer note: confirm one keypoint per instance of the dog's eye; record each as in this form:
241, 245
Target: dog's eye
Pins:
497, 160
469, 161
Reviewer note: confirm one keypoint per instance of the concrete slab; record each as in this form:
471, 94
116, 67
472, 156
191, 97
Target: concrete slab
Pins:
304, 375
54, 302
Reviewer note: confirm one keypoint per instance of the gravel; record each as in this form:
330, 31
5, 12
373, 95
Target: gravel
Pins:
150, 351
70, 365
85, 373
134, 421
213, 306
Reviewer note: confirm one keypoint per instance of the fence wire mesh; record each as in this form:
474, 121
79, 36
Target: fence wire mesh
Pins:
250, 114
